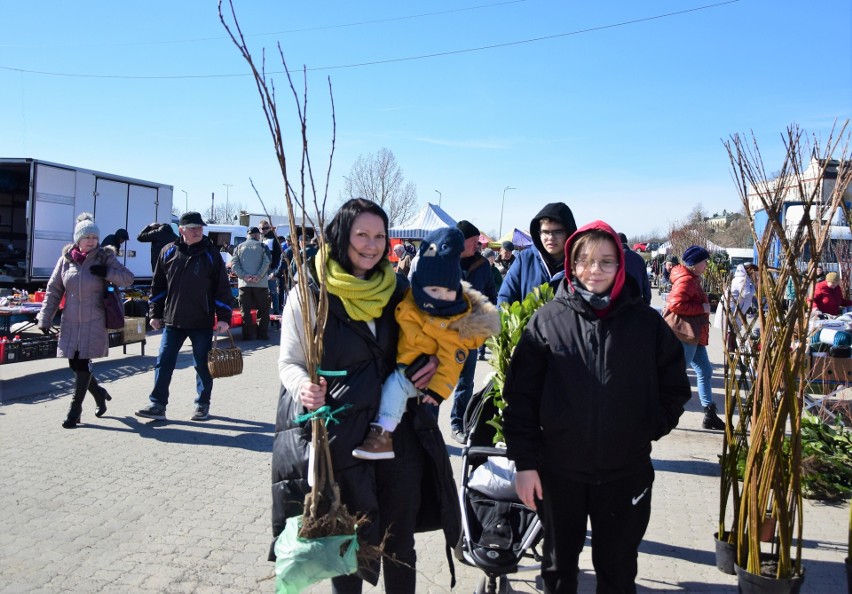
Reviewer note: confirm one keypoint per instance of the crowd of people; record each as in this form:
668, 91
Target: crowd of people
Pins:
400, 338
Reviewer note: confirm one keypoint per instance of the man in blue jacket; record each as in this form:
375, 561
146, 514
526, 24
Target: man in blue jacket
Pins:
533, 267
477, 271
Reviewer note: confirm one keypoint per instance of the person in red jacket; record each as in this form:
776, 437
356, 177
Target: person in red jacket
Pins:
688, 299
828, 296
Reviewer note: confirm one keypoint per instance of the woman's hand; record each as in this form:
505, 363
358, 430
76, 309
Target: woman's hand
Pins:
312, 395
528, 487
429, 400
423, 376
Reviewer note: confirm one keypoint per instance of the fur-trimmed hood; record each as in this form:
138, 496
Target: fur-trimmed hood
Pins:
66, 251
482, 318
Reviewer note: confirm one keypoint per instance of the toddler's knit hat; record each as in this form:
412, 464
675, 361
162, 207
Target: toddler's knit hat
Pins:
439, 264
85, 226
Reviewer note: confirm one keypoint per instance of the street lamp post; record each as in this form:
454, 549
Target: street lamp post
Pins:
502, 202
185, 201
227, 195
439, 197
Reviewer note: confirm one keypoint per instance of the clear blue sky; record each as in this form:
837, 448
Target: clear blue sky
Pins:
621, 120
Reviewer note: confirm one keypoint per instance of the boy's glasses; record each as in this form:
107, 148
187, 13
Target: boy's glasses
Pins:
603, 265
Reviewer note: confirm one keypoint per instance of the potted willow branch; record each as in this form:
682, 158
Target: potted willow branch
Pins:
740, 352
772, 472
848, 559
325, 534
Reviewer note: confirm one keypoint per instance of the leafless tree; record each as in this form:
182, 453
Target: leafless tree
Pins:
379, 178
225, 214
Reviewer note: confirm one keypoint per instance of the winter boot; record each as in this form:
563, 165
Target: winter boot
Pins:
712, 420
101, 396
81, 385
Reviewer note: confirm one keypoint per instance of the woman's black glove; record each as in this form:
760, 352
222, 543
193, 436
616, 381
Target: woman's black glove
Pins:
45, 331
98, 270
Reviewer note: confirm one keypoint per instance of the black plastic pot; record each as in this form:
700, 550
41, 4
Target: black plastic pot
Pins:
749, 583
726, 553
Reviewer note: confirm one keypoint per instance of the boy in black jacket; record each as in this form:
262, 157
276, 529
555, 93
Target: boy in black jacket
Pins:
596, 376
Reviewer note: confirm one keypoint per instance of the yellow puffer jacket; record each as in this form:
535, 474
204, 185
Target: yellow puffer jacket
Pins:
450, 338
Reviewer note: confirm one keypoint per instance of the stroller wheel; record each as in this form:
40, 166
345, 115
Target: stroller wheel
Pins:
493, 585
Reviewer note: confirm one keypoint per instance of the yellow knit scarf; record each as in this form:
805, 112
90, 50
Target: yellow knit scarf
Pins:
363, 299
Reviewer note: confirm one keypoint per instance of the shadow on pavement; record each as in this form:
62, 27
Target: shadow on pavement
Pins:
698, 467
249, 435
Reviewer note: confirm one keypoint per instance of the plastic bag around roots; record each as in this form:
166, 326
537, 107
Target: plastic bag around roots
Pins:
301, 562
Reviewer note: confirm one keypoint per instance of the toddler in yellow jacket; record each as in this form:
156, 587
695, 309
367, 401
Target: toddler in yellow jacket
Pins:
439, 315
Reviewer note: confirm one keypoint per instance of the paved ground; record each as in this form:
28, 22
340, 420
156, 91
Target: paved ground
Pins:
121, 505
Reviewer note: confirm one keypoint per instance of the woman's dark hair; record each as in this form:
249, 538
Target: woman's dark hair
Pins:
338, 230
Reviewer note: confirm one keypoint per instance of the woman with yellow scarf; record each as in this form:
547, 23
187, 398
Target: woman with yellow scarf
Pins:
359, 351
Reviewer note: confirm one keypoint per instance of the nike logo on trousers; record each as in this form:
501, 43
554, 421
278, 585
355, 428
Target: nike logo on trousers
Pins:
639, 497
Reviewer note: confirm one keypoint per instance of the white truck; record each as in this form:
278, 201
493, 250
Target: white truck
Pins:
39, 204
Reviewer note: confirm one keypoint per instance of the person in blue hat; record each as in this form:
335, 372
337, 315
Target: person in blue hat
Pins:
439, 315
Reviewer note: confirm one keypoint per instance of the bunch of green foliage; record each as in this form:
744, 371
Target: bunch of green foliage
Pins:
826, 459
715, 276
513, 320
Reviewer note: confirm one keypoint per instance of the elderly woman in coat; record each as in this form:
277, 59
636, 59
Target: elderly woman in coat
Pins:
80, 276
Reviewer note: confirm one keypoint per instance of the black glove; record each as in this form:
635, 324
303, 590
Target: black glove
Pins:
98, 270
45, 331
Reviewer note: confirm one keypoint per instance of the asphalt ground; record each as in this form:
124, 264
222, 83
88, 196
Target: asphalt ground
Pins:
121, 504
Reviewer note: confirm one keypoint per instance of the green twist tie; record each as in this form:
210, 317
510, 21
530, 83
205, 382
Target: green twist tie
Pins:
331, 373
325, 413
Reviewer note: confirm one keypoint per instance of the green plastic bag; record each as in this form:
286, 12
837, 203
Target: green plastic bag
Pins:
301, 562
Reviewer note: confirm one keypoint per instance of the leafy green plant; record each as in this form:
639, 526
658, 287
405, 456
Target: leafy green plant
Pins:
826, 459
513, 320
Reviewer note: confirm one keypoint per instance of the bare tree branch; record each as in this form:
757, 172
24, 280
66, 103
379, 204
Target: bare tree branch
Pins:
379, 178
298, 197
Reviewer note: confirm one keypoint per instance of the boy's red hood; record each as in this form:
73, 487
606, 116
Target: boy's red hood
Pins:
619, 275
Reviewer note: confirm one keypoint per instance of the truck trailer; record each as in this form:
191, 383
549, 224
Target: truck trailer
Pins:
39, 204
793, 212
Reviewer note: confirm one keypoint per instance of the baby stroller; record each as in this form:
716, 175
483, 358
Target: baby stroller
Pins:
498, 531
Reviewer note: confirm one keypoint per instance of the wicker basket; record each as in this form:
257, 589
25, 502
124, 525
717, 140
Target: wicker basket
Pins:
225, 362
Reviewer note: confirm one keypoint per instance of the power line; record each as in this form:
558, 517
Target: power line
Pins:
388, 60
288, 31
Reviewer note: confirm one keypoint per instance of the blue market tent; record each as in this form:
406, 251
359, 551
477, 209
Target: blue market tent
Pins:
430, 217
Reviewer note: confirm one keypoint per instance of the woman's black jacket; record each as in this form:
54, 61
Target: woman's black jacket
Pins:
350, 346
587, 395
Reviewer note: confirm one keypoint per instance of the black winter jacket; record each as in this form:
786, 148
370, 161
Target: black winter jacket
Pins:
477, 271
270, 241
159, 235
350, 346
587, 391
191, 285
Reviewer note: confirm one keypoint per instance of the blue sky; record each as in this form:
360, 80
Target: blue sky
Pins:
601, 105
